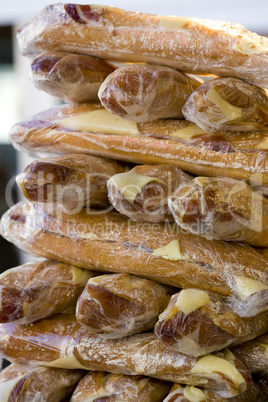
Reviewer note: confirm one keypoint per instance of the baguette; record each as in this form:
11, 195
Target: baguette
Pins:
221, 208
142, 193
155, 251
61, 342
257, 393
189, 44
21, 382
73, 181
198, 322
71, 77
120, 304
255, 354
142, 93
40, 289
228, 104
90, 129
101, 386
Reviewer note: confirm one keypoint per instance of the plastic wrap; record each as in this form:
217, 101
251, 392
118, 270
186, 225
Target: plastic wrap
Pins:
70, 77
257, 393
198, 322
142, 93
90, 129
255, 354
156, 251
98, 386
189, 44
226, 104
20, 382
40, 289
73, 181
61, 342
142, 193
221, 208
121, 305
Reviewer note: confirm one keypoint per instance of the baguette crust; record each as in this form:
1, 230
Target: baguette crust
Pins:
74, 129
71, 77
192, 45
206, 327
156, 251
120, 305
142, 93
61, 342
99, 386
221, 208
36, 290
21, 382
255, 354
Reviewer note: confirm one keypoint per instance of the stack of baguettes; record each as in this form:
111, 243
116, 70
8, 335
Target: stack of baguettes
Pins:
155, 278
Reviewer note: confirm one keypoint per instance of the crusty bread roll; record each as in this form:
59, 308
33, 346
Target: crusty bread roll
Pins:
90, 129
142, 193
101, 386
25, 383
198, 322
61, 342
118, 305
155, 251
189, 44
40, 289
221, 208
228, 104
142, 92
73, 181
71, 77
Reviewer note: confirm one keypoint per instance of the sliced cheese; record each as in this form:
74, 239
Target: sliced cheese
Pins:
248, 286
7, 387
80, 276
190, 300
67, 362
131, 184
170, 252
172, 22
100, 121
230, 111
188, 132
210, 364
201, 181
248, 47
193, 394
262, 145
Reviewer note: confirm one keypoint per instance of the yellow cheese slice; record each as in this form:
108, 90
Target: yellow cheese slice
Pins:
7, 387
190, 300
67, 362
248, 286
193, 394
170, 252
172, 22
230, 111
188, 132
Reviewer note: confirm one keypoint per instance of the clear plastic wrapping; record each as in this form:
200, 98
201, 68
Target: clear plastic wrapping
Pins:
61, 342
40, 289
90, 129
221, 208
118, 305
71, 77
21, 382
142, 93
188, 44
98, 386
156, 251
255, 354
226, 104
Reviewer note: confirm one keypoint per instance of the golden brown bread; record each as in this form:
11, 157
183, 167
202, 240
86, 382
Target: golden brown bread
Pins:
255, 354
198, 322
25, 383
142, 193
73, 181
61, 342
118, 305
90, 129
221, 208
40, 289
228, 104
100, 386
71, 77
156, 251
142, 93
189, 44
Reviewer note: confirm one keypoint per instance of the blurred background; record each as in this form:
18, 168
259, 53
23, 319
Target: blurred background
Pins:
19, 99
